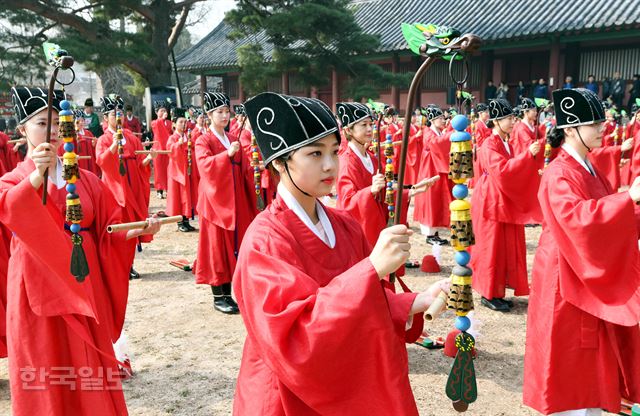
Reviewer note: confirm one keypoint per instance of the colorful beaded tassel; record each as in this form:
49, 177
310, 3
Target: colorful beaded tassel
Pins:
461, 385
257, 176
390, 195
71, 174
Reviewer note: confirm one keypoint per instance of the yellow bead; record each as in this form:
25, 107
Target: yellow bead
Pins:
72, 180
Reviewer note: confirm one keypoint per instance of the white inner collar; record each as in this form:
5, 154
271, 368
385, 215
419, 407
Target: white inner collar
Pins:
366, 160
223, 139
323, 230
584, 162
56, 177
435, 130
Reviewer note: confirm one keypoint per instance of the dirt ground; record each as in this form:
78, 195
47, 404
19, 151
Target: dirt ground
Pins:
186, 355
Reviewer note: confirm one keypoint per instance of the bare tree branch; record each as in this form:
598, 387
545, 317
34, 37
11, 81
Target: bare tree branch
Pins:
81, 25
185, 3
177, 28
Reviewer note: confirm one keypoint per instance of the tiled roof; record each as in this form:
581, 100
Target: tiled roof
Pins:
492, 20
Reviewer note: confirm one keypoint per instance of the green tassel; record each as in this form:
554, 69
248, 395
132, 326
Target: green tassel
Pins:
122, 169
461, 384
79, 266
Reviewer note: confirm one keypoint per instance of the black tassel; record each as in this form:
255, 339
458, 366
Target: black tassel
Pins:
79, 266
122, 170
259, 202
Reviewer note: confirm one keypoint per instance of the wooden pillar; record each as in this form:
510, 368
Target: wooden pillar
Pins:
203, 88
554, 66
241, 96
395, 91
335, 95
285, 83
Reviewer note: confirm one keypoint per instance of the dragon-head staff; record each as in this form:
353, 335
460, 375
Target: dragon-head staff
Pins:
440, 41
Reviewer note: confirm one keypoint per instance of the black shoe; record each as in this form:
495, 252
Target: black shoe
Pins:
182, 227
189, 226
435, 240
232, 303
495, 304
161, 194
221, 304
509, 303
133, 274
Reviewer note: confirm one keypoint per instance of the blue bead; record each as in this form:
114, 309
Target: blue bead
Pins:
65, 105
71, 188
460, 191
68, 147
462, 257
257, 187
391, 208
460, 122
75, 228
389, 160
463, 323
389, 183
389, 137
460, 136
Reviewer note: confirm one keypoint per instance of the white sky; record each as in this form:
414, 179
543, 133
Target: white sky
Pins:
215, 10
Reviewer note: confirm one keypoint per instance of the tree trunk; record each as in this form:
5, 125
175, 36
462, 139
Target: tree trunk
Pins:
160, 73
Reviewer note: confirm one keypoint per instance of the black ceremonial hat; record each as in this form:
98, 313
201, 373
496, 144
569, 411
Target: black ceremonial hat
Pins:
283, 123
499, 108
111, 102
178, 112
480, 107
213, 100
351, 113
577, 107
239, 109
527, 104
29, 101
433, 112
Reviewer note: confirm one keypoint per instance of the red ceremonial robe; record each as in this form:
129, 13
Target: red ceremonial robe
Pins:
9, 156
503, 200
162, 129
131, 191
182, 192
607, 161
355, 197
134, 124
60, 332
635, 157
323, 335
583, 341
414, 155
5, 251
226, 207
432, 207
482, 132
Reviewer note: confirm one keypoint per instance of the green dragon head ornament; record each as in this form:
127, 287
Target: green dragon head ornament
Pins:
438, 41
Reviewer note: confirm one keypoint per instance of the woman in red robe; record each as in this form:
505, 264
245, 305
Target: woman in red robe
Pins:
583, 342
361, 190
182, 191
59, 331
431, 210
131, 189
306, 274
503, 200
226, 203
162, 128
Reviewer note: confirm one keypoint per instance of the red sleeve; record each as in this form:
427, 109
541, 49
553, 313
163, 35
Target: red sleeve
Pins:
598, 274
59, 293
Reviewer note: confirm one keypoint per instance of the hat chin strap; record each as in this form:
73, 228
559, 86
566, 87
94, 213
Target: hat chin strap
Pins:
286, 167
582, 141
500, 128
